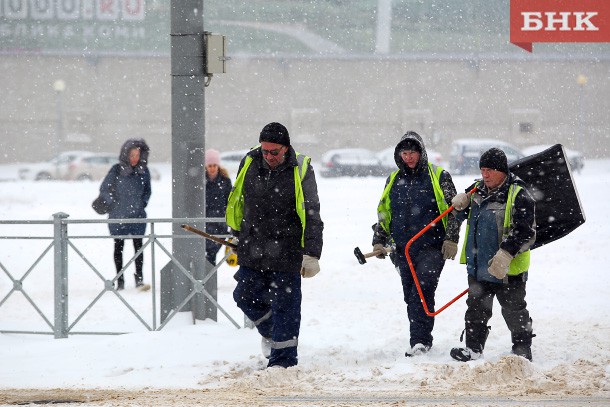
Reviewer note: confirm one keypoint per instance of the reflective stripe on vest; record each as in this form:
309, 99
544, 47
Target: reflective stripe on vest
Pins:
521, 262
235, 204
384, 210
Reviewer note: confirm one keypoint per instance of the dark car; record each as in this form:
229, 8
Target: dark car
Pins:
351, 162
465, 154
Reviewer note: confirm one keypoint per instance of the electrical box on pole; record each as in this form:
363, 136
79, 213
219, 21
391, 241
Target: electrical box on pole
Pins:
215, 55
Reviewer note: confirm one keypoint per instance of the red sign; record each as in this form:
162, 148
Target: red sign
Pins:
558, 21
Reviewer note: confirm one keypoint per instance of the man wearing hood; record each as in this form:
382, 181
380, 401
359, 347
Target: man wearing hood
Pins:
127, 189
501, 230
414, 195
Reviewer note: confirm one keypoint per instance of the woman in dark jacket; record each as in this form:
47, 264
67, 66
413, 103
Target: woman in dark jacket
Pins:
217, 189
127, 189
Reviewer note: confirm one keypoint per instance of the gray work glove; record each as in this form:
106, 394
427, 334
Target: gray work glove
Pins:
378, 247
460, 201
310, 266
499, 264
449, 250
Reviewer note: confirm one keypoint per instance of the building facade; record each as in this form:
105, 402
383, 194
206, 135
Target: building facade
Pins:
56, 103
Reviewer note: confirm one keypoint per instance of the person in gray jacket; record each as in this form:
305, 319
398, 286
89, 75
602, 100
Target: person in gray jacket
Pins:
501, 229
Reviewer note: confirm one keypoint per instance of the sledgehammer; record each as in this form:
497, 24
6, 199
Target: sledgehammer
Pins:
362, 257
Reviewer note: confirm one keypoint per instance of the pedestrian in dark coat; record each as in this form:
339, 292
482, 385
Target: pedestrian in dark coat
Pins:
501, 230
414, 195
275, 212
127, 188
217, 189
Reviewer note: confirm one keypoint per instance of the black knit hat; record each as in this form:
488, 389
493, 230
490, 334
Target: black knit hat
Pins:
275, 133
411, 145
495, 159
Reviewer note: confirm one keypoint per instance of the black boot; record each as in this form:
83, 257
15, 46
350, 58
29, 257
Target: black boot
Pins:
464, 354
475, 343
523, 350
120, 284
522, 342
139, 280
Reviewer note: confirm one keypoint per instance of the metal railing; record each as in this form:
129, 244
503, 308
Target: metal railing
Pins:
62, 243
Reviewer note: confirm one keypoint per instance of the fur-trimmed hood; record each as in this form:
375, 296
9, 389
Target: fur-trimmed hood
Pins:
140, 168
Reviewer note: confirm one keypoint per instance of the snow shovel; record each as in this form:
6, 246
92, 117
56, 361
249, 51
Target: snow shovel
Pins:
209, 236
417, 285
363, 256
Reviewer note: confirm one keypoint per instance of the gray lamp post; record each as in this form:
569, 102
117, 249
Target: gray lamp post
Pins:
581, 80
59, 86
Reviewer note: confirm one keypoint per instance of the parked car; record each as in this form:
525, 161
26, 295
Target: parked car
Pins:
386, 157
74, 166
231, 159
575, 158
59, 167
351, 162
465, 154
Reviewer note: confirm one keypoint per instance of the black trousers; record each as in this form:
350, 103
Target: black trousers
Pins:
428, 263
211, 249
511, 297
119, 244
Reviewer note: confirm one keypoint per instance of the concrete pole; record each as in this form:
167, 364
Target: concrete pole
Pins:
188, 147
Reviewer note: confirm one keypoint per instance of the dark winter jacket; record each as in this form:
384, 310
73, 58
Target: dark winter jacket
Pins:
128, 190
413, 204
271, 231
216, 195
485, 226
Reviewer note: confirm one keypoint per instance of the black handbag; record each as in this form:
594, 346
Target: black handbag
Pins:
100, 206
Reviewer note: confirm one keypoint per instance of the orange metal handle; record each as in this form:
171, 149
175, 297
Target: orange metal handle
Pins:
417, 285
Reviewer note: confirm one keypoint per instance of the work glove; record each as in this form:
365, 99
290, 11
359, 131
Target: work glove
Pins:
378, 247
460, 201
230, 253
234, 240
310, 266
499, 264
449, 250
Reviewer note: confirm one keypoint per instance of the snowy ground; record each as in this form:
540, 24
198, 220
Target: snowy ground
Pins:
354, 329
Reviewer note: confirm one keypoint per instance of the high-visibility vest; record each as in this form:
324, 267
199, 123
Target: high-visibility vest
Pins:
235, 204
520, 262
384, 210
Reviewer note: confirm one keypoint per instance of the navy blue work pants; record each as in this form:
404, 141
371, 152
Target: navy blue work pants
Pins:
428, 263
272, 300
